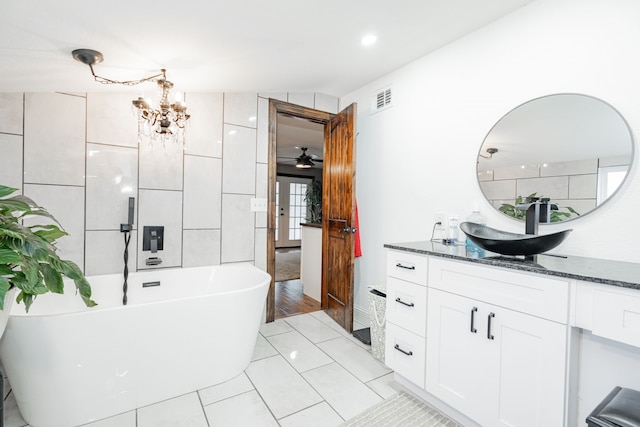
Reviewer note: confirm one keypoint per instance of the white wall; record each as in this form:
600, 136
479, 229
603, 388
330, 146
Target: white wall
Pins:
419, 156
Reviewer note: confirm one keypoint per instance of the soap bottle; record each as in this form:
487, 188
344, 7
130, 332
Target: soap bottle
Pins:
453, 229
475, 217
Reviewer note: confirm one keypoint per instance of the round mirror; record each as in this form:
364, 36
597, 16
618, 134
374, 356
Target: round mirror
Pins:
574, 149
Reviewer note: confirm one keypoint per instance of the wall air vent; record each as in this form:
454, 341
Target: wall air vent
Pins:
382, 100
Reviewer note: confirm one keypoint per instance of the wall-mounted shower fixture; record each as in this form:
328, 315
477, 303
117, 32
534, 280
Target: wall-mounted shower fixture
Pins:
153, 238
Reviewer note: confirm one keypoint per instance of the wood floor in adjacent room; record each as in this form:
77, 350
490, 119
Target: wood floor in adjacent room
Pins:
290, 300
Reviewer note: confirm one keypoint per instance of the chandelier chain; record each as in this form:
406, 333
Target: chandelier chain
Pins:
106, 81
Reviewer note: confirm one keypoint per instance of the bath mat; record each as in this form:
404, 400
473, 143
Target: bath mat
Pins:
403, 410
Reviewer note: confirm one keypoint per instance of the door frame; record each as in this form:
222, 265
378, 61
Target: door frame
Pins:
276, 108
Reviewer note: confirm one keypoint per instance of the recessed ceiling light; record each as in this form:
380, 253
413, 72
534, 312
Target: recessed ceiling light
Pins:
368, 40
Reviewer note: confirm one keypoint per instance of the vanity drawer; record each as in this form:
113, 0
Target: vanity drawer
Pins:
407, 305
407, 266
616, 315
405, 353
540, 296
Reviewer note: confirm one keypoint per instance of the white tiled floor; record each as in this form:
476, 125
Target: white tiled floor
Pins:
306, 371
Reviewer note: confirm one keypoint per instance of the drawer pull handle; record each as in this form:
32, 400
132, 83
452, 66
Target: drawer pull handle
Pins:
408, 353
407, 267
409, 304
474, 330
489, 334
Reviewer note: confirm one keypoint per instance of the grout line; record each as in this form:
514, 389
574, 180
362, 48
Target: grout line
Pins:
202, 407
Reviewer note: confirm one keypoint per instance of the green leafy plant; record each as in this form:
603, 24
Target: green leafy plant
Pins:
313, 197
28, 258
556, 216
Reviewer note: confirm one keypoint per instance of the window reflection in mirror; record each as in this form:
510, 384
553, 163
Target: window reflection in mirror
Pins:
575, 149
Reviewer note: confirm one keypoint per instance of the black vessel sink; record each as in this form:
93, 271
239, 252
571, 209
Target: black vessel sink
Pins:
505, 243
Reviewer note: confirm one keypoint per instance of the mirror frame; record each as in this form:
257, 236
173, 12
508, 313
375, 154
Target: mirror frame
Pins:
482, 153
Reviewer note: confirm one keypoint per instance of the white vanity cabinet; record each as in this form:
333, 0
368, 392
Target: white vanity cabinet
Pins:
495, 340
497, 344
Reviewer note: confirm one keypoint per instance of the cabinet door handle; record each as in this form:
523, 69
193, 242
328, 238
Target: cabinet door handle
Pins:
473, 318
408, 304
489, 334
408, 353
407, 267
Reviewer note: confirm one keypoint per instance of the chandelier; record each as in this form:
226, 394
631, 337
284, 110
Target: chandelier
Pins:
165, 123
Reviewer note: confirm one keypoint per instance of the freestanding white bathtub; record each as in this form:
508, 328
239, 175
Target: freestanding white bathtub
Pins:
70, 365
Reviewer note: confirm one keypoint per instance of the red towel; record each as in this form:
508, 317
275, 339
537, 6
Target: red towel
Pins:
356, 237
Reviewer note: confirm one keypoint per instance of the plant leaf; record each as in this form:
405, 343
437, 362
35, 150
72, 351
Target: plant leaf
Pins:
8, 256
5, 270
48, 232
4, 287
84, 288
5, 191
11, 233
52, 279
12, 205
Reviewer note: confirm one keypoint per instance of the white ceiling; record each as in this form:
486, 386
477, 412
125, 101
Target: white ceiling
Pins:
228, 45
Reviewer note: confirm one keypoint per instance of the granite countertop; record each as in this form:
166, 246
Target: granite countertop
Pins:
616, 273
311, 224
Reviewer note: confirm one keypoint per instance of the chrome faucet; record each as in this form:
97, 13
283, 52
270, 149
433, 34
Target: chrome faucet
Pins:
538, 210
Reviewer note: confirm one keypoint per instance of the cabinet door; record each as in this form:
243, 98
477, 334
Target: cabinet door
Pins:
507, 369
531, 376
460, 362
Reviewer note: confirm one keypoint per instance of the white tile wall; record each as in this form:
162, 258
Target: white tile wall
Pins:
262, 151
485, 175
54, 139
69, 135
11, 110
580, 206
200, 247
11, 160
161, 208
327, 103
583, 186
204, 128
237, 228
262, 177
499, 189
239, 165
304, 99
555, 187
570, 168
202, 192
112, 177
161, 166
111, 119
241, 109
66, 204
105, 249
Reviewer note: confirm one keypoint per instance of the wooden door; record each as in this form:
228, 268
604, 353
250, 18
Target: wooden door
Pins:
338, 207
